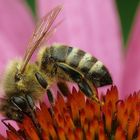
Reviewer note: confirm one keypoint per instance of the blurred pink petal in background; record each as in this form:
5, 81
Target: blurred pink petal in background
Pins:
131, 76
8, 51
16, 26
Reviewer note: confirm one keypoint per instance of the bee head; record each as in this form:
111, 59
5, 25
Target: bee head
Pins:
9, 110
16, 107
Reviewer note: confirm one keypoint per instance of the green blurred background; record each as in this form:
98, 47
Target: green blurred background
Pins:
126, 8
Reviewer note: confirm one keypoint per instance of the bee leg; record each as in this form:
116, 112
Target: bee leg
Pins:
74, 74
63, 88
44, 84
89, 89
31, 107
30, 102
80, 80
77, 77
41, 80
51, 100
50, 96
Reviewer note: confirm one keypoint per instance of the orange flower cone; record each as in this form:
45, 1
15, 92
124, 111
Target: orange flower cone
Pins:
78, 118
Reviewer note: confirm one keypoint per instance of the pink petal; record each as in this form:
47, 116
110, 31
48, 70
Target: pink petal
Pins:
92, 26
131, 79
2, 127
16, 23
8, 52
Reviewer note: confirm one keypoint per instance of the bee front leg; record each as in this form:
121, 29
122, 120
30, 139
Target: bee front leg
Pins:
44, 85
81, 81
41, 80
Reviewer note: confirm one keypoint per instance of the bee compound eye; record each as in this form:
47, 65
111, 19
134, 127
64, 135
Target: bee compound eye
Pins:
17, 77
15, 115
19, 116
19, 102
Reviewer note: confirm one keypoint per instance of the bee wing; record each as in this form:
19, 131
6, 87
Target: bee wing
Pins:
43, 30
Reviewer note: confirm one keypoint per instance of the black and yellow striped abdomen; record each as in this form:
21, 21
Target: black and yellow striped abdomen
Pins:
89, 66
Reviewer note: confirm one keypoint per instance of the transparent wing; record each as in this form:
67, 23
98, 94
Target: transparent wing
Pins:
42, 31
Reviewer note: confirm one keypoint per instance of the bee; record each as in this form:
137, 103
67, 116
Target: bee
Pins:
26, 82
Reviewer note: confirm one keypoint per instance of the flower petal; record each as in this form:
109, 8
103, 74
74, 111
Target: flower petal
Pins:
9, 52
92, 26
131, 79
16, 23
2, 127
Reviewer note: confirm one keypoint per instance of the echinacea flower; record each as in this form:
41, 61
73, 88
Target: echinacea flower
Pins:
78, 118
91, 25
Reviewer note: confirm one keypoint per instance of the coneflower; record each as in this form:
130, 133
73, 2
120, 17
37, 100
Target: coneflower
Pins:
78, 118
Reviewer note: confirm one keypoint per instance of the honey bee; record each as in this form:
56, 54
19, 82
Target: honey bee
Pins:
26, 82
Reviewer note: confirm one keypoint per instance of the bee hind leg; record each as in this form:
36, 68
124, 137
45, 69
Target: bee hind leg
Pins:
81, 81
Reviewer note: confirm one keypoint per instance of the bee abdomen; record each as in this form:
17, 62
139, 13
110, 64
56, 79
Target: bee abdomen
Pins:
94, 70
99, 74
74, 56
58, 52
69, 55
86, 63
55, 53
89, 66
